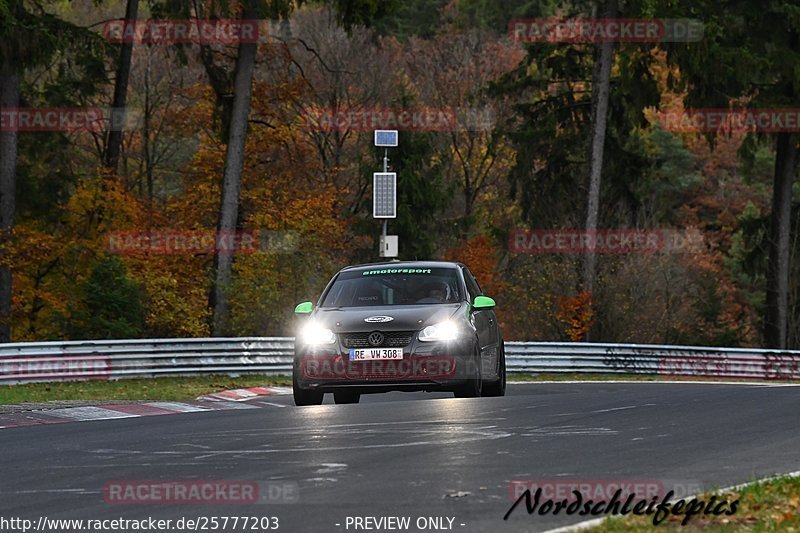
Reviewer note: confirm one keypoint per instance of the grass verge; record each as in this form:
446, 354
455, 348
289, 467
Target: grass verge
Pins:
185, 388
772, 505
166, 388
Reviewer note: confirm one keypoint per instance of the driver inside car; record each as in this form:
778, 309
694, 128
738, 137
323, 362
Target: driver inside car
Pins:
437, 293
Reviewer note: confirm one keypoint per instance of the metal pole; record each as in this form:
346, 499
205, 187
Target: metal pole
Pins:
385, 169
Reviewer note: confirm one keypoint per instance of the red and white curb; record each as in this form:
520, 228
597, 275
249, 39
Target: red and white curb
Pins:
240, 395
111, 412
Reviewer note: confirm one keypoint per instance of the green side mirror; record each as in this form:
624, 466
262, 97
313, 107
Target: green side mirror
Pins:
304, 308
483, 302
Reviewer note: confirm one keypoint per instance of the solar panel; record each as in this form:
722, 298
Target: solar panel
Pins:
384, 195
385, 137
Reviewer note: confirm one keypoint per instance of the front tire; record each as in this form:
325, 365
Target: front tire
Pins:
498, 388
346, 396
304, 396
473, 387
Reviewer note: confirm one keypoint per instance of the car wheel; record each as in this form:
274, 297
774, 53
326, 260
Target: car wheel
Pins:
498, 387
346, 396
304, 396
472, 389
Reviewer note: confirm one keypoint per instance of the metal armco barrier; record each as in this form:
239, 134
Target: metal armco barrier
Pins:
64, 361
690, 361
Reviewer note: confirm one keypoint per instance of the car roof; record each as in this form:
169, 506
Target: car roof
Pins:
404, 264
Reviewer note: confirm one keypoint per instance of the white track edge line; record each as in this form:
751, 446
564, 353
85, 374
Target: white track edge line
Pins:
669, 382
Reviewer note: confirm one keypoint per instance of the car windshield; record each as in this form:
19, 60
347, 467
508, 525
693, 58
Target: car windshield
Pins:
394, 286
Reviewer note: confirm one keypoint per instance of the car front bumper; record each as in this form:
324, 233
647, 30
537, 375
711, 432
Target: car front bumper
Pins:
429, 366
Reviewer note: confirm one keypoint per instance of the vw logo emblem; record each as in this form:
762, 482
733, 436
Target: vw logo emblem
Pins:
373, 319
375, 338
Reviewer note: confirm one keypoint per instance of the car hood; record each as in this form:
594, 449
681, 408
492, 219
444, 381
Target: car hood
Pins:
404, 317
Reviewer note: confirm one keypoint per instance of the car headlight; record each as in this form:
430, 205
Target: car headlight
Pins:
443, 331
315, 334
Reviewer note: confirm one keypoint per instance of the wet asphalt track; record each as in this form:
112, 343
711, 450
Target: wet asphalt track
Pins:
415, 455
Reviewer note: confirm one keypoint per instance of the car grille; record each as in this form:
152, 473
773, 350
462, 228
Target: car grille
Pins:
392, 339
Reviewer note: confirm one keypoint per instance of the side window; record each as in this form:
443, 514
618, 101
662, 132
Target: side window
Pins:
472, 286
475, 281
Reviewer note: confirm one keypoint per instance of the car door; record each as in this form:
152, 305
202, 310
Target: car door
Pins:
483, 319
485, 322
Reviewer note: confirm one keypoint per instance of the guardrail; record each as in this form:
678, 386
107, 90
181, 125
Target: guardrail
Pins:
691, 361
74, 360
63, 361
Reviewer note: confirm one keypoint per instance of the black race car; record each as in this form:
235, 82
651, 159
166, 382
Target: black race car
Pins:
410, 326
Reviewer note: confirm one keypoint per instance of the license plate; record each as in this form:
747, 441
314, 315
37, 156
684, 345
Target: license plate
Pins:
371, 354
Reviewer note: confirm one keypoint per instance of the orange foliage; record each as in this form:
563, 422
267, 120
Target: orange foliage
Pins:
50, 264
576, 314
480, 255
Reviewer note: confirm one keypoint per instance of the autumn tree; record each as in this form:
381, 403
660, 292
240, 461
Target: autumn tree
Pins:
112, 306
453, 73
601, 87
114, 140
30, 37
233, 90
752, 51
